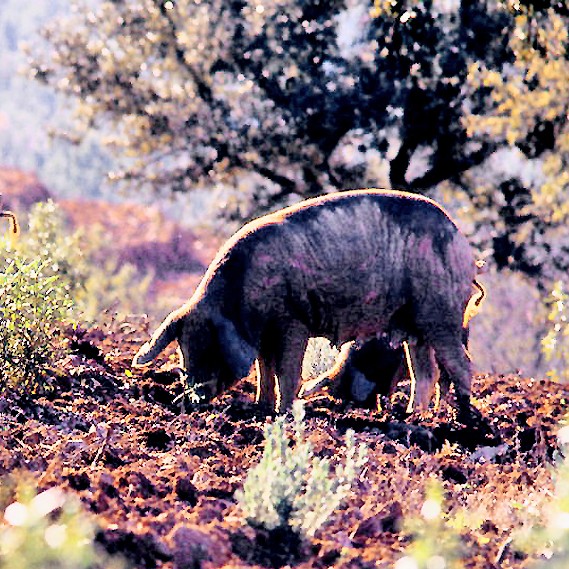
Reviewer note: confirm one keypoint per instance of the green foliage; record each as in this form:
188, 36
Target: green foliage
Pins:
530, 103
435, 541
548, 537
555, 345
319, 357
287, 99
291, 487
52, 277
48, 239
34, 307
48, 531
307, 96
523, 106
83, 260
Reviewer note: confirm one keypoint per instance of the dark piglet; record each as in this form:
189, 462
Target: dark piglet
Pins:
361, 372
345, 266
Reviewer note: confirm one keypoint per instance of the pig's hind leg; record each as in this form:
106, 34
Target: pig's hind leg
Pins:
439, 321
425, 371
451, 355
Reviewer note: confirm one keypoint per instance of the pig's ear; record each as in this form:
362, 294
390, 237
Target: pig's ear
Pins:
238, 353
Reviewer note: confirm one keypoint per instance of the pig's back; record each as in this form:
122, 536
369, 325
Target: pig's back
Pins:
345, 263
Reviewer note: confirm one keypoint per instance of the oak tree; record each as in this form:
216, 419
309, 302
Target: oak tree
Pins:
301, 97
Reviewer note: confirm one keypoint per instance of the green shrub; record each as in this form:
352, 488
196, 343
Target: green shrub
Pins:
48, 239
48, 531
555, 345
52, 277
548, 537
34, 306
435, 542
293, 488
320, 356
83, 259
38, 281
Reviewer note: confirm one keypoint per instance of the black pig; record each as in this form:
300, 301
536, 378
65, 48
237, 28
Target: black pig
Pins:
361, 372
344, 266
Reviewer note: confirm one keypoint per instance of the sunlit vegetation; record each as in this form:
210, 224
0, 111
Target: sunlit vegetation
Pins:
525, 109
555, 345
46, 529
52, 279
95, 280
34, 311
292, 488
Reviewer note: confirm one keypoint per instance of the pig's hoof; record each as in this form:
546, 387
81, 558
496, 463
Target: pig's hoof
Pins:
469, 415
265, 409
476, 422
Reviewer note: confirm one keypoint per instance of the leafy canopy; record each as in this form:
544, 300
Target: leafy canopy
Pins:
297, 92
289, 99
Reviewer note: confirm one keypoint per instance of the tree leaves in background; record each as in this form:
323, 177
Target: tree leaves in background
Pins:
289, 99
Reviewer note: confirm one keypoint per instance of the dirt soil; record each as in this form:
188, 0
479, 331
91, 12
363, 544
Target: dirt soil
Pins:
161, 482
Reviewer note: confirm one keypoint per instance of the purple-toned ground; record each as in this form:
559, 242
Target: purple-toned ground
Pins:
161, 483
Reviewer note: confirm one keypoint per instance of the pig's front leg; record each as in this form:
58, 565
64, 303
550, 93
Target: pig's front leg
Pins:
288, 359
266, 395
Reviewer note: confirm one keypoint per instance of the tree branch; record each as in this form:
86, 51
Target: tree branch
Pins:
399, 165
204, 91
445, 169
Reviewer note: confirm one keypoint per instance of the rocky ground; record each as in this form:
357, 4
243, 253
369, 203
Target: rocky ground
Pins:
161, 482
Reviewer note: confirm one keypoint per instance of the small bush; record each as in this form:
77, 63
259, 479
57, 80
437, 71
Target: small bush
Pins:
555, 345
51, 277
95, 279
435, 541
38, 281
48, 531
292, 488
34, 305
48, 239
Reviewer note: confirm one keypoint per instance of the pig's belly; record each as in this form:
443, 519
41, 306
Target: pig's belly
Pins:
356, 323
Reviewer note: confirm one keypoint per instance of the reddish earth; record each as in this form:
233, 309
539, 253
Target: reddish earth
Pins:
142, 236
161, 482
20, 190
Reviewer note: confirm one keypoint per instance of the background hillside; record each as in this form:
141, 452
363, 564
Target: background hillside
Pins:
27, 110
